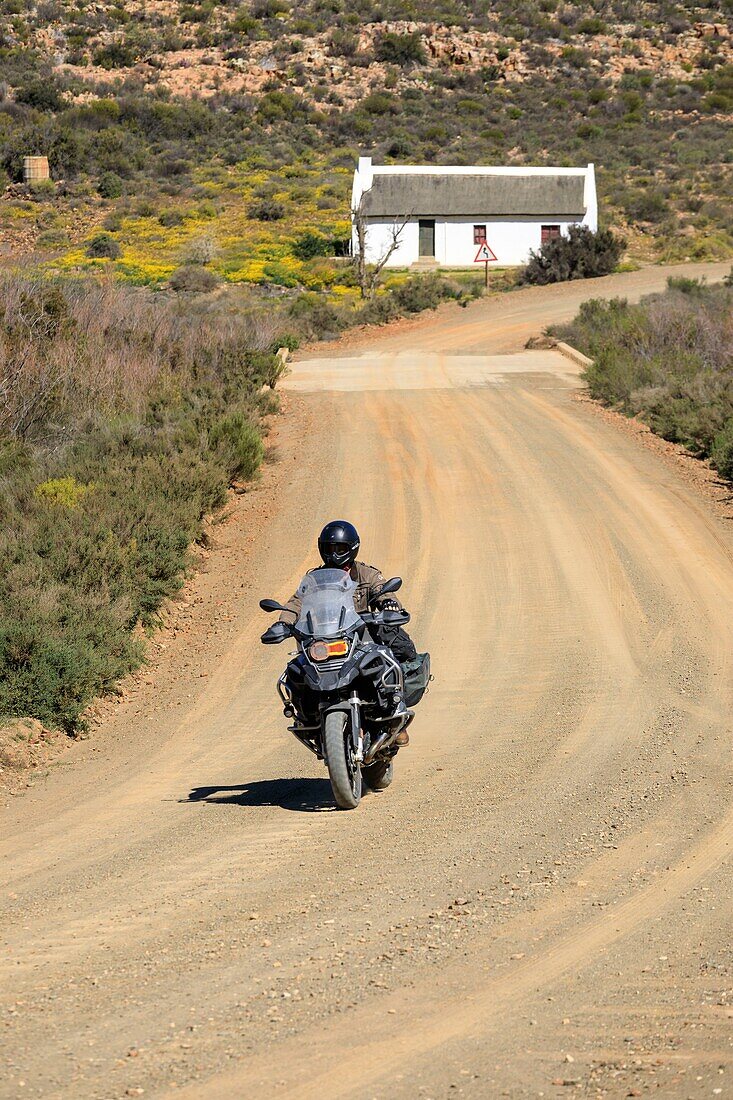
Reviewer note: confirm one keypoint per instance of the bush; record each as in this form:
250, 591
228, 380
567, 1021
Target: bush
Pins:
103, 247
669, 360
240, 443
321, 318
289, 340
379, 310
201, 250
169, 219
647, 206
43, 95
193, 279
67, 492
311, 244
380, 103
116, 55
581, 254
400, 49
42, 190
422, 292
343, 43
110, 185
721, 452
266, 211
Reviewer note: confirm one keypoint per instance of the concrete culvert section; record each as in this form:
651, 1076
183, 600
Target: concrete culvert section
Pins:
540, 901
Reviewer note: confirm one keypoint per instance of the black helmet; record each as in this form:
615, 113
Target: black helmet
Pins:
338, 544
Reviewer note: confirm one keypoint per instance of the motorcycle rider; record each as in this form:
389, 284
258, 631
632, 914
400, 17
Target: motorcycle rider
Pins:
338, 545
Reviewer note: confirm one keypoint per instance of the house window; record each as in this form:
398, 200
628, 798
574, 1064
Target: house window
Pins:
549, 232
479, 234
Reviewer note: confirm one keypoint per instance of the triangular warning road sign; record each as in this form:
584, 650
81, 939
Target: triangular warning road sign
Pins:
484, 254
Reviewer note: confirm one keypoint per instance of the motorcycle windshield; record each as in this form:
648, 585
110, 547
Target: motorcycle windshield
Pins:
327, 604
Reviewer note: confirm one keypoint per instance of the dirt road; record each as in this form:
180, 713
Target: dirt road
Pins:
541, 904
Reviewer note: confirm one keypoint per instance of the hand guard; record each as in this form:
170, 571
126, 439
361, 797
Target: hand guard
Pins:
390, 605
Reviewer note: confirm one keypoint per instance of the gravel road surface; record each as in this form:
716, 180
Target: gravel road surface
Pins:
541, 903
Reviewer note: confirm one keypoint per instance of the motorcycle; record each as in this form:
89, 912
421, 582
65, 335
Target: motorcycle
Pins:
342, 688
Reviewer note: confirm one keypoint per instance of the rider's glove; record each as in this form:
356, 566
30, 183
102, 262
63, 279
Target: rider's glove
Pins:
390, 605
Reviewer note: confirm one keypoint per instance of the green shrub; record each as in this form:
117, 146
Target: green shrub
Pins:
289, 340
380, 103
103, 247
54, 238
116, 55
581, 254
721, 452
343, 43
400, 49
244, 23
591, 24
269, 9
311, 244
42, 190
240, 444
686, 285
43, 95
110, 185
647, 206
422, 292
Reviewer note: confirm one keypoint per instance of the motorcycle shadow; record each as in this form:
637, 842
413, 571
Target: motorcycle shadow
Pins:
302, 795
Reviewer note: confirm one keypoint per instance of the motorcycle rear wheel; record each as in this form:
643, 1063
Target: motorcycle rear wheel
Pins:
378, 776
343, 770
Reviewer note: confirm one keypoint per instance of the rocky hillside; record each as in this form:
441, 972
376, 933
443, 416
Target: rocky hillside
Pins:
207, 49
174, 122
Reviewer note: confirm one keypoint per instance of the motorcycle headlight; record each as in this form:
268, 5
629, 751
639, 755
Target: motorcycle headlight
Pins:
323, 651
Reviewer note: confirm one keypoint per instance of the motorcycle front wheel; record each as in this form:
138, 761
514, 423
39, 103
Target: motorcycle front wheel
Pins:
343, 769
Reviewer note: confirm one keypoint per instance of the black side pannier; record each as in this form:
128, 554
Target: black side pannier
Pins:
417, 676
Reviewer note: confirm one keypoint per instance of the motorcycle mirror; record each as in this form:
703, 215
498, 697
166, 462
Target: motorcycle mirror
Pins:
276, 633
272, 605
391, 585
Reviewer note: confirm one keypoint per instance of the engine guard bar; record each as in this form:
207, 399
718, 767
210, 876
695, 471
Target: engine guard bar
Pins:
387, 738
300, 735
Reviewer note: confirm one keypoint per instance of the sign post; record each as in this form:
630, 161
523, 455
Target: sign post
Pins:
485, 256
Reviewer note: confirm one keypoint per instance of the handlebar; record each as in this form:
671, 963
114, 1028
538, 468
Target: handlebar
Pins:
279, 631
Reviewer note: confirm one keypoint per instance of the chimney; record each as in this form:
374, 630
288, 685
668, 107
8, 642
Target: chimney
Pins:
365, 173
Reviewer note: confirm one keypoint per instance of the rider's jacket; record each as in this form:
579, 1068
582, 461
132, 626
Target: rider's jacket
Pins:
369, 581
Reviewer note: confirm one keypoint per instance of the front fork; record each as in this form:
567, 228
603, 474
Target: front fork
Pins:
352, 708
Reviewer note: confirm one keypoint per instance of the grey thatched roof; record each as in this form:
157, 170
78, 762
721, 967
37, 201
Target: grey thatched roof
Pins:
473, 195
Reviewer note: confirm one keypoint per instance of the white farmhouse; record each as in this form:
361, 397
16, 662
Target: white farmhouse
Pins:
450, 212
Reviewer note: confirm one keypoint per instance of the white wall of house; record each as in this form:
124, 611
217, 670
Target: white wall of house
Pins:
510, 238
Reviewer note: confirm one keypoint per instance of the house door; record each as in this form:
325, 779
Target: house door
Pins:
427, 238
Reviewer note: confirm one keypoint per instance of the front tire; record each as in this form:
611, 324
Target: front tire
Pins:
378, 776
343, 770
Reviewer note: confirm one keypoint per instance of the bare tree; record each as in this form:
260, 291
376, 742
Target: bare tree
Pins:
368, 274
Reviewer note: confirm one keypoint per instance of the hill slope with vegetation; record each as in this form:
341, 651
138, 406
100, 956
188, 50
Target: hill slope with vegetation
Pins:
223, 135
123, 420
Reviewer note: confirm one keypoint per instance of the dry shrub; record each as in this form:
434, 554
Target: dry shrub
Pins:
668, 359
72, 350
